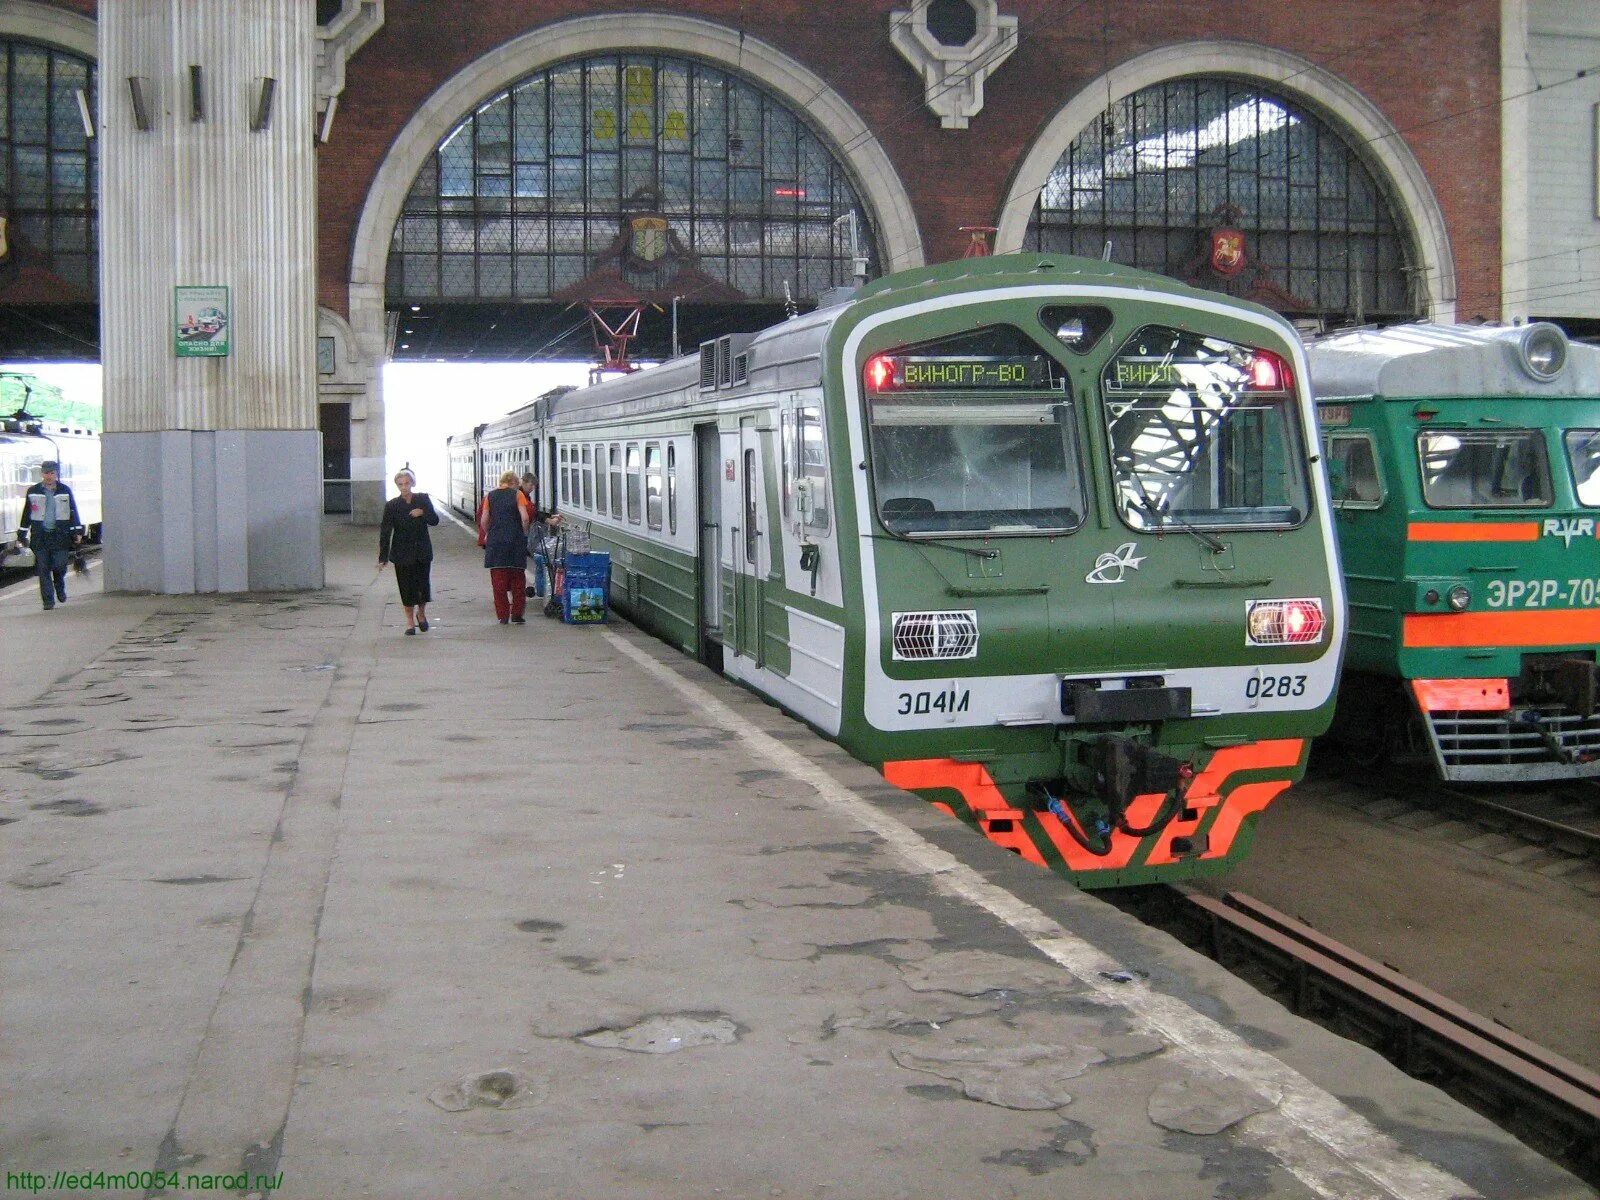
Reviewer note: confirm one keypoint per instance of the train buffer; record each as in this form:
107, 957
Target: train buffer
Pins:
553, 911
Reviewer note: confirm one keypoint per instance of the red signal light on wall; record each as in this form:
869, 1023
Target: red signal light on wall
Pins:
880, 373
1269, 373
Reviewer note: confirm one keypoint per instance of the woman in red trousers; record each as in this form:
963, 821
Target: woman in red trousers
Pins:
503, 520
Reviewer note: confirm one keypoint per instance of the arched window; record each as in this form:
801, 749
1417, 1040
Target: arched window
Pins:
49, 185
670, 174
1230, 187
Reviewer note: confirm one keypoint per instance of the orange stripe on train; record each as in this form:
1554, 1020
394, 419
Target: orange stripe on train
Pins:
1525, 627
1002, 823
1462, 695
1473, 531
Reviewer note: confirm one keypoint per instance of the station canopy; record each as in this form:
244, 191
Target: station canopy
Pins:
1229, 187
613, 181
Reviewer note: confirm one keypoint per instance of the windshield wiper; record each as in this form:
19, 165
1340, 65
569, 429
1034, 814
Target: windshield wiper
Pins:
920, 542
1162, 516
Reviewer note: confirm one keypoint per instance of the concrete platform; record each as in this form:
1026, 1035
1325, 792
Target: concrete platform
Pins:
554, 912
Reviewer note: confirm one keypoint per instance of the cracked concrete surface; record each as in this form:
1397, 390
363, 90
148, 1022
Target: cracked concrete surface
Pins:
388, 914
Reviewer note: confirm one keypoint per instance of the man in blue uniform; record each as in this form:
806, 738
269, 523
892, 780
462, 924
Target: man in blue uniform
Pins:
50, 524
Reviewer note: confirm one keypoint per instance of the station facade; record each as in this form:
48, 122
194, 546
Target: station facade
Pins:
480, 183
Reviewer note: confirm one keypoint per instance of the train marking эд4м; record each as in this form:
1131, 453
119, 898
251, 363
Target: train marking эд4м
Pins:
1040, 538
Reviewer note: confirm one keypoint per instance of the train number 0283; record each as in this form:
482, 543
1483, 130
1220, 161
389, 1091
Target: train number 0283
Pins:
923, 704
1275, 687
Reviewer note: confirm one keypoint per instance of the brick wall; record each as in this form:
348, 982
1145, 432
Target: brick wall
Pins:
1431, 68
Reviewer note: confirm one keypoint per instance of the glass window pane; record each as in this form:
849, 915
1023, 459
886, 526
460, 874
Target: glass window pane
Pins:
1469, 468
1583, 455
613, 137
1197, 435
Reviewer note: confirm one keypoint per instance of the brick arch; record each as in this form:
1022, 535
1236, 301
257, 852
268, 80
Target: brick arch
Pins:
1383, 150
52, 26
844, 132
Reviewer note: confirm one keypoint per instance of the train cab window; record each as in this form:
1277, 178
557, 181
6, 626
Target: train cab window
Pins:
1483, 468
1203, 432
1583, 456
1353, 478
672, 488
615, 454
633, 483
971, 434
652, 485
588, 476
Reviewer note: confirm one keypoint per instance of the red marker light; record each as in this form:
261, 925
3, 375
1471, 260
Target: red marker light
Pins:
1302, 622
880, 373
1269, 373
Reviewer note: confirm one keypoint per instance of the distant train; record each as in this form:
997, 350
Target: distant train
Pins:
24, 444
1465, 472
1040, 538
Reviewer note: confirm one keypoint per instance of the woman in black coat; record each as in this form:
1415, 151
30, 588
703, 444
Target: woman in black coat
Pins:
403, 540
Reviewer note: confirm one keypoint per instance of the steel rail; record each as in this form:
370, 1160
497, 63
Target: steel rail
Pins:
1590, 837
1547, 1101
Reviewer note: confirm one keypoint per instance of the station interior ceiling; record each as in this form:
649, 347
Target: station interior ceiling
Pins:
461, 333
558, 332
472, 332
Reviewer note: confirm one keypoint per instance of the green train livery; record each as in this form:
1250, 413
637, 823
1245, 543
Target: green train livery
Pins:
1464, 463
1041, 539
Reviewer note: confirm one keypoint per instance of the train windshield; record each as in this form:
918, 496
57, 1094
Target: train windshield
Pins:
973, 435
1583, 455
1482, 468
1203, 432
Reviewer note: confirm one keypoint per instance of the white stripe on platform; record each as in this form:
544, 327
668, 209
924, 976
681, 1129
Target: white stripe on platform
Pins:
1324, 1143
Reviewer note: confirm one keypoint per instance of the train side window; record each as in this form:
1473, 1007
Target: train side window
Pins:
811, 468
1353, 477
588, 476
616, 480
672, 488
566, 476
652, 485
633, 483
601, 488
1583, 455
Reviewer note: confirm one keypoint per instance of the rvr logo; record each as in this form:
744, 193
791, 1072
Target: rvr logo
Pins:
1567, 528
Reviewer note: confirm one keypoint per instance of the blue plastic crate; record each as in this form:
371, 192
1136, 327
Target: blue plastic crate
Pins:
588, 570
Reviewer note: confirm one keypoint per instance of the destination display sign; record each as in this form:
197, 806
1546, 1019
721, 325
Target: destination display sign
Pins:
1142, 374
918, 373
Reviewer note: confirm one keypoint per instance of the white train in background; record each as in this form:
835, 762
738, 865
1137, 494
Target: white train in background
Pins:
24, 444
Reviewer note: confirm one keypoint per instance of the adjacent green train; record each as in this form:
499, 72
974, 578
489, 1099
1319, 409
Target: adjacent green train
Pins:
1042, 539
1464, 463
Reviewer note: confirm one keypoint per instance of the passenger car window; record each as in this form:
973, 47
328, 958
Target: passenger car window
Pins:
1482, 468
1353, 477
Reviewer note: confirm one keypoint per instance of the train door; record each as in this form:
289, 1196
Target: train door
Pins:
708, 482
748, 552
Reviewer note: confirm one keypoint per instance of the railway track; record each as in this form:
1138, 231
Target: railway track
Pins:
1549, 1102
1568, 816
1554, 828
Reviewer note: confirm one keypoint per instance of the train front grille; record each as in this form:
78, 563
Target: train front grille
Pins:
1528, 742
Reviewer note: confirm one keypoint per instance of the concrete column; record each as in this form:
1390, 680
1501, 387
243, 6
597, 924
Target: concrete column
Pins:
212, 466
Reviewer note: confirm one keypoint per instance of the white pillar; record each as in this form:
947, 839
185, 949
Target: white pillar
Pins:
212, 465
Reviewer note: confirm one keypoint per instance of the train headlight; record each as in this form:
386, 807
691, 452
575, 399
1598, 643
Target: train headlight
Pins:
1459, 597
1284, 622
1543, 351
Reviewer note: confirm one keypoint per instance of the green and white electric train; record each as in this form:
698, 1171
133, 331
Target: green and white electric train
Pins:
1042, 539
